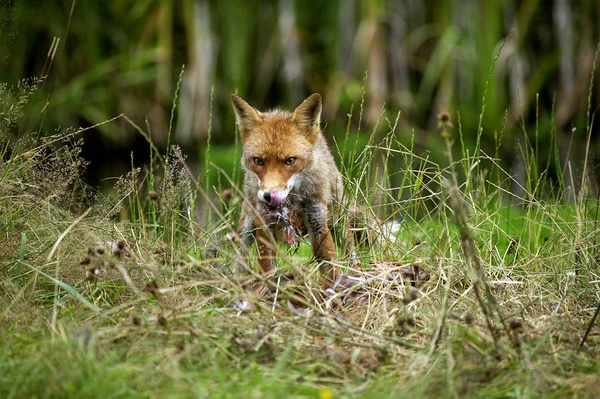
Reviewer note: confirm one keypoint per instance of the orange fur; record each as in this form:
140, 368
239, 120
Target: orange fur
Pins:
289, 170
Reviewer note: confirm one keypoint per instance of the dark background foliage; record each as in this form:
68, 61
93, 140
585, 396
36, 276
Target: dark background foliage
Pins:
419, 57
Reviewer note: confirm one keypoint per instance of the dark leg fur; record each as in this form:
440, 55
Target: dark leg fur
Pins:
266, 252
315, 218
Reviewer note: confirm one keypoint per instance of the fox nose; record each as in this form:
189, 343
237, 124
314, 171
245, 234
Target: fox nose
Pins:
274, 198
267, 197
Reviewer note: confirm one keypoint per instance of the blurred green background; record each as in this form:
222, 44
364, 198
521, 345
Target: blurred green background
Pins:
422, 57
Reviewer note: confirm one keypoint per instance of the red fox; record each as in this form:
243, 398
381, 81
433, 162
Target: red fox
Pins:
290, 176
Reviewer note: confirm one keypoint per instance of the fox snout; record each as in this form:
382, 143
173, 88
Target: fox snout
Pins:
273, 198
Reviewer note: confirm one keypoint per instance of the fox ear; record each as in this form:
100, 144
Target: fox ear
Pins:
308, 114
247, 116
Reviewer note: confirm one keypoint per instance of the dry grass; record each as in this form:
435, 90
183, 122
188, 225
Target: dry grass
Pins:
95, 306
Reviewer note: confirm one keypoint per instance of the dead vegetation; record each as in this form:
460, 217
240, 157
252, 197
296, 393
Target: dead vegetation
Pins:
472, 297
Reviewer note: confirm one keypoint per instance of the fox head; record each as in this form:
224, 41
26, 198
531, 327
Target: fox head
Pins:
277, 146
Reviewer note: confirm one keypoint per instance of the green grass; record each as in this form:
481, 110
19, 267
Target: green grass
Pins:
95, 304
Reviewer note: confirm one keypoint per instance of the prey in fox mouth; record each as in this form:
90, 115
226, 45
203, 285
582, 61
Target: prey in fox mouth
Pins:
282, 219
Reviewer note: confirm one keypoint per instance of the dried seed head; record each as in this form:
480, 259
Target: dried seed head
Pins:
468, 319
153, 195
180, 345
126, 256
136, 321
162, 320
226, 195
444, 124
410, 296
92, 273
406, 323
444, 116
85, 261
516, 325
152, 287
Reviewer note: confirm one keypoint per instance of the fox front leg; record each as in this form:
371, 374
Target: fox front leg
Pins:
315, 218
252, 229
266, 252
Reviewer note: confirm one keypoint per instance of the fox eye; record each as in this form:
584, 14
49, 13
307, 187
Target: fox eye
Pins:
290, 161
258, 161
